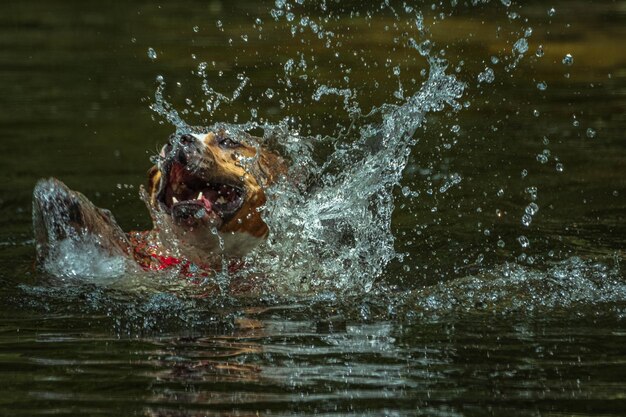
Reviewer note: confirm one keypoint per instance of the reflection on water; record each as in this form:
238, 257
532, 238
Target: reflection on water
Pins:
495, 277
275, 365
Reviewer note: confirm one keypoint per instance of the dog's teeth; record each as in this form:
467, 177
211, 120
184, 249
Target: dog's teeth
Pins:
174, 200
221, 200
199, 196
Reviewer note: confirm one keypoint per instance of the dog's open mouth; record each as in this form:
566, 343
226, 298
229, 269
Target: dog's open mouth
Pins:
191, 199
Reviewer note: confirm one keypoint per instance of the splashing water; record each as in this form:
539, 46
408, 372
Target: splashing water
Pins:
330, 219
82, 258
330, 229
335, 233
338, 234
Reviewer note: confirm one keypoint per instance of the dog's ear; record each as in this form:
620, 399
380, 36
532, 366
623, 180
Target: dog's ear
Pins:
154, 177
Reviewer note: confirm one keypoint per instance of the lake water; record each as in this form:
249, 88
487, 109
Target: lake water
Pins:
481, 188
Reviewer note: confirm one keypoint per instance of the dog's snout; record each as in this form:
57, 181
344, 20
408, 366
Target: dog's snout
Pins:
182, 140
189, 150
183, 148
187, 139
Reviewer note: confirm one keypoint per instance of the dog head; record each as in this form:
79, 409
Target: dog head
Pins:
207, 190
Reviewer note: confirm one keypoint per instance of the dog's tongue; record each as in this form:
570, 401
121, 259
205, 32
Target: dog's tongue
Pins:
207, 197
206, 200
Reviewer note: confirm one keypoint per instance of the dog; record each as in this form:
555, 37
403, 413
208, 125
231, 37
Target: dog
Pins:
205, 195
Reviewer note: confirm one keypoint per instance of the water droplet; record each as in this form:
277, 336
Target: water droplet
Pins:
455, 129
196, 29
551, 11
523, 241
501, 243
541, 86
532, 191
487, 76
500, 192
532, 209
152, 54
521, 46
536, 113
269, 93
218, 23
527, 220
524, 173
542, 158
591, 133
507, 3
540, 51
200, 213
568, 60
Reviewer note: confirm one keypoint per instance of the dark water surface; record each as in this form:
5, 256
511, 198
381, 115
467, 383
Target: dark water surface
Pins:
470, 320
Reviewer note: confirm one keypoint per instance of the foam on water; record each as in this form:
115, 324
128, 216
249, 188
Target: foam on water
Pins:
572, 286
512, 288
82, 258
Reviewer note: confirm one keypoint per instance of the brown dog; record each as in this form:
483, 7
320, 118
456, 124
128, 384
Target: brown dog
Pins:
205, 195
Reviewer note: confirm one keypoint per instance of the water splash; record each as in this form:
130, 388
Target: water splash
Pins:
515, 289
165, 109
330, 219
568, 60
331, 226
82, 258
336, 234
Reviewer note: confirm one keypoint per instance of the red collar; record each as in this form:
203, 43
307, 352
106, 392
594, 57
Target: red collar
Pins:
151, 257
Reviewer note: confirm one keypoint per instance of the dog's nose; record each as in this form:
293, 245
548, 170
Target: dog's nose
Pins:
182, 140
187, 148
187, 139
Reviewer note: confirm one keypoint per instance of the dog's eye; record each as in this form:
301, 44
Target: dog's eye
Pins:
228, 143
